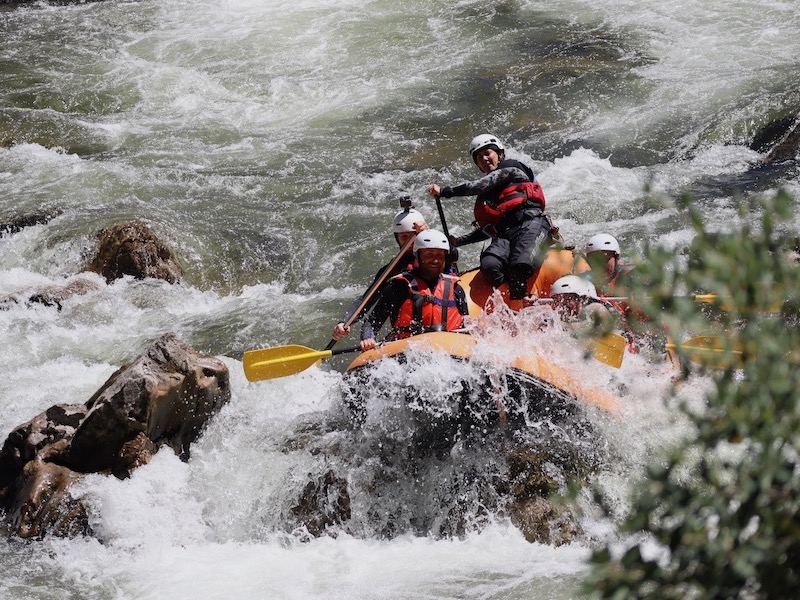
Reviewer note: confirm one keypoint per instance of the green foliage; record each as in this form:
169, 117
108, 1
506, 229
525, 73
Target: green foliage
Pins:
719, 517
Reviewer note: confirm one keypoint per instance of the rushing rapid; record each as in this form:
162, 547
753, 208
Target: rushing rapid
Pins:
268, 144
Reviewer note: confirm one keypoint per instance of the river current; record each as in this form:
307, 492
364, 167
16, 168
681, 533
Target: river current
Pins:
268, 143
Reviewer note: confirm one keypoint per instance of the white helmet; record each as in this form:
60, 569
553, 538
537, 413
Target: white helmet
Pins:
602, 242
480, 142
572, 284
405, 219
430, 238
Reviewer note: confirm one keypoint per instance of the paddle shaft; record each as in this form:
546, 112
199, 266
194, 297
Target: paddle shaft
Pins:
709, 351
707, 298
441, 217
452, 258
351, 318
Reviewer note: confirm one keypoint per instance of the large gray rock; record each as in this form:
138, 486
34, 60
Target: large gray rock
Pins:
163, 398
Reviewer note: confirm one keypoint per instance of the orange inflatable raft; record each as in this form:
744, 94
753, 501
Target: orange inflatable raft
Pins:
530, 383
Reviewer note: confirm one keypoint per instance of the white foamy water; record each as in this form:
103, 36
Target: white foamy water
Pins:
268, 144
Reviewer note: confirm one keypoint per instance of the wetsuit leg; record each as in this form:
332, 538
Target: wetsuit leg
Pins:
526, 255
518, 276
494, 261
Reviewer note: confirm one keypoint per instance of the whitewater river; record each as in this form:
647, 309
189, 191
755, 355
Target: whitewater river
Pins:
268, 143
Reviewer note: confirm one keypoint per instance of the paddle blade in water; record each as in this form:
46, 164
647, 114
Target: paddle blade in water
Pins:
609, 349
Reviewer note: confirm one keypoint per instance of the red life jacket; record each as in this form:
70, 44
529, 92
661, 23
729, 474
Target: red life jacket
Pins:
425, 310
510, 199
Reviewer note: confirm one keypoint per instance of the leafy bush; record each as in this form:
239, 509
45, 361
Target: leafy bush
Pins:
719, 516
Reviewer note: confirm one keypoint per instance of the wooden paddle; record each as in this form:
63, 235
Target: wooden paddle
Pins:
710, 351
727, 307
281, 361
354, 314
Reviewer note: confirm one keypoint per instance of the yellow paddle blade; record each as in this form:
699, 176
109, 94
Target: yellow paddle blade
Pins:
609, 349
280, 361
711, 351
727, 306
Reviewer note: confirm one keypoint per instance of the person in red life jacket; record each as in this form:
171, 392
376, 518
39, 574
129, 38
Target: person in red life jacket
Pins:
611, 279
608, 274
422, 299
509, 209
407, 223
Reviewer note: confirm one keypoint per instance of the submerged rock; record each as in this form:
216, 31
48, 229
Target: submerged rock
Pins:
134, 249
55, 295
322, 504
163, 398
383, 478
127, 249
17, 224
779, 140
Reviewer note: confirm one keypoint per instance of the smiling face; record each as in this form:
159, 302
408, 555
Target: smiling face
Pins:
487, 159
431, 262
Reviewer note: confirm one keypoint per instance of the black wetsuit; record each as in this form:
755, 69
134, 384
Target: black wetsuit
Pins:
521, 236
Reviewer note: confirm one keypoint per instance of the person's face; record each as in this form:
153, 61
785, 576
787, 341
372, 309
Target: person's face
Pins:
487, 159
602, 261
431, 261
404, 236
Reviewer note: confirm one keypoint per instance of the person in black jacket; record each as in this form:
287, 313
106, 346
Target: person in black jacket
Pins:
509, 209
407, 223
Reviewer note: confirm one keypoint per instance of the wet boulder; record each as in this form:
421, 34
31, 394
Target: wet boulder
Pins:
134, 249
163, 398
55, 295
535, 474
542, 521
